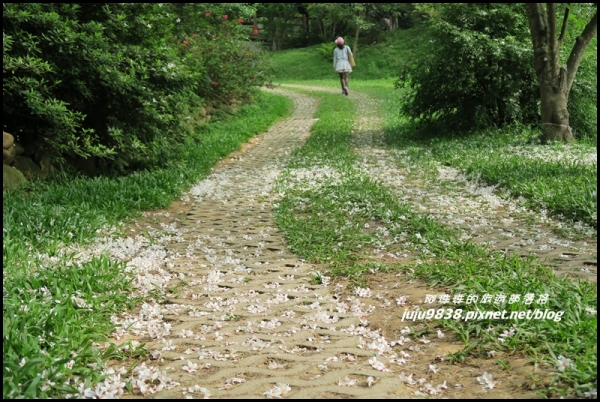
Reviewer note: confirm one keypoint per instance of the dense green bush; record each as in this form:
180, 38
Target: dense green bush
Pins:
478, 71
583, 101
120, 81
325, 50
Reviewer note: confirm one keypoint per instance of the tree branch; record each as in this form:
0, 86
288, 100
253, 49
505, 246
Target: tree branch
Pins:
581, 44
552, 42
563, 29
537, 27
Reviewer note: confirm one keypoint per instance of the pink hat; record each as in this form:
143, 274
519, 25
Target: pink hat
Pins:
339, 41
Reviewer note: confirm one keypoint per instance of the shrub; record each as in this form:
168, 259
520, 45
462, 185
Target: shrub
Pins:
583, 101
478, 71
121, 81
109, 86
325, 50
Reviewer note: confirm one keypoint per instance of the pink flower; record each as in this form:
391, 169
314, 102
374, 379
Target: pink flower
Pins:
213, 36
194, 35
240, 20
255, 31
207, 14
185, 42
215, 84
225, 17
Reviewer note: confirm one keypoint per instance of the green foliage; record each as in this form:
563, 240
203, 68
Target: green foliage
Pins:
231, 67
94, 98
121, 81
280, 23
330, 20
400, 15
478, 71
325, 50
377, 61
583, 100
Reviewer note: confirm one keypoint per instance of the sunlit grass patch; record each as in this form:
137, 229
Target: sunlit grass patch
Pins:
374, 61
559, 178
571, 332
54, 311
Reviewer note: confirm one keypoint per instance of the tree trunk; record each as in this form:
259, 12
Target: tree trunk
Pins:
355, 50
305, 24
555, 80
555, 115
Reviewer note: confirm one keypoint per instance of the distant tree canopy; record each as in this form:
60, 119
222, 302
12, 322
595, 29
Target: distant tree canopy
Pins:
290, 25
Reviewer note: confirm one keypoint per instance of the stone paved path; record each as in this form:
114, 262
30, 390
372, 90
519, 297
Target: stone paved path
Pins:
254, 316
243, 309
474, 209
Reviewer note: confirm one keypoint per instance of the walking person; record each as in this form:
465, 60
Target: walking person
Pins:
341, 63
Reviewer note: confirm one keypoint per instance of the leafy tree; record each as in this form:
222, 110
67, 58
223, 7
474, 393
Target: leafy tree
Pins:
360, 19
120, 81
279, 20
329, 20
477, 72
398, 15
556, 80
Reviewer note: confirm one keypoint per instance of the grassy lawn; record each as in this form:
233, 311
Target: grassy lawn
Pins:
374, 62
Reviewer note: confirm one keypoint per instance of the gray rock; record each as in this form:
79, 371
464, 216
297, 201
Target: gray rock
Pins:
12, 178
7, 140
8, 155
29, 168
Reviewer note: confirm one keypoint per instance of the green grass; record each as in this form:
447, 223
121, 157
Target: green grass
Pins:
69, 209
324, 217
561, 184
559, 178
56, 305
375, 61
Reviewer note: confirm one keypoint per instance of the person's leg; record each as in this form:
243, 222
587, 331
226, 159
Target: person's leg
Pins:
346, 75
342, 82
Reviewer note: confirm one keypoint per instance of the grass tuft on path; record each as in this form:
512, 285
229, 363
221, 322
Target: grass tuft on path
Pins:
333, 214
